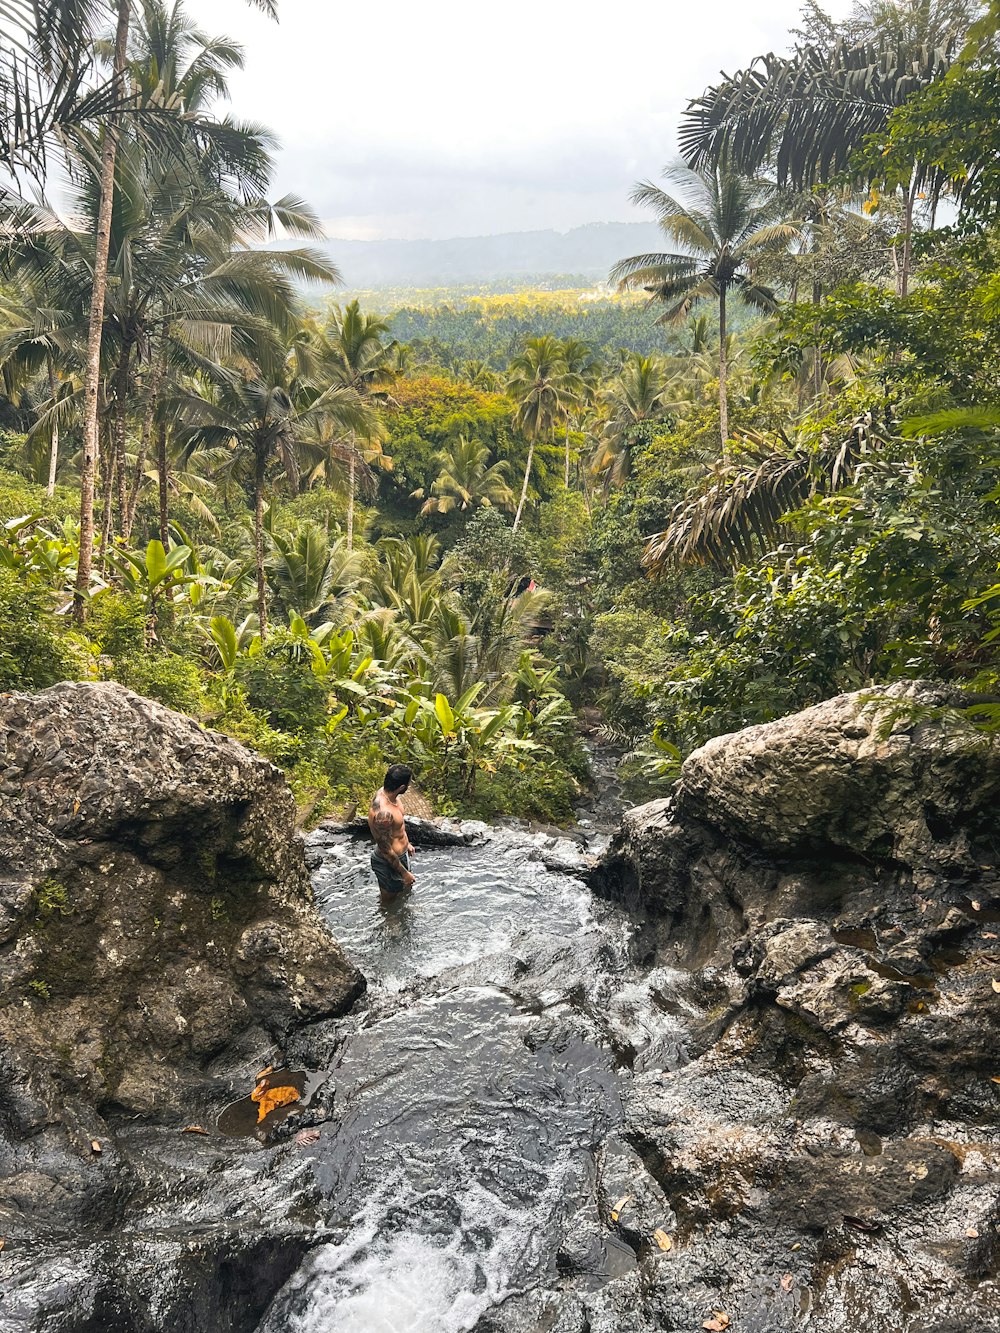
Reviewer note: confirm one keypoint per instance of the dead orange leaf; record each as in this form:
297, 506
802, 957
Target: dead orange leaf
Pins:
994, 1079
787, 1282
989, 935
718, 1322
620, 1207
972, 1233
194, 1129
95, 1147
996, 985
269, 1099
3, 1241
264, 1073
662, 1239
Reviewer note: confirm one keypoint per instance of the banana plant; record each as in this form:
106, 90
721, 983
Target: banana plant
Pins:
231, 640
39, 555
153, 574
448, 736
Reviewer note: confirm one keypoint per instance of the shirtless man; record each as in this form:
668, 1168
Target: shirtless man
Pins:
391, 857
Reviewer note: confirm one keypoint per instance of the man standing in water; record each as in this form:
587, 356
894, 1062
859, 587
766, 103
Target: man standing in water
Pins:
391, 857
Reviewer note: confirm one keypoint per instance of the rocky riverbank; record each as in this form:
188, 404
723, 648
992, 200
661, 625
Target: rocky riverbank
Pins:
830, 1141
763, 1097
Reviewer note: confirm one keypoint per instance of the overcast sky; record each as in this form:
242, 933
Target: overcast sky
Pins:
437, 118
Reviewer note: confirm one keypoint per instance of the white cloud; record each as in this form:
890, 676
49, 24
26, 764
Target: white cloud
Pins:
445, 118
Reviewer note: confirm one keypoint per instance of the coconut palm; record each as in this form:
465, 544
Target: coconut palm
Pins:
544, 389
738, 509
580, 360
808, 114
36, 345
308, 573
723, 224
105, 178
640, 394
256, 419
353, 354
467, 480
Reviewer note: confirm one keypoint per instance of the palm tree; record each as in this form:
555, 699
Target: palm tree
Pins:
580, 360
480, 374
98, 294
49, 84
36, 343
355, 357
809, 113
724, 224
467, 480
738, 510
639, 395
256, 419
308, 573
544, 389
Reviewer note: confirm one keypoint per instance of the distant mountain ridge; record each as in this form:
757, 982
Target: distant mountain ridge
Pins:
586, 252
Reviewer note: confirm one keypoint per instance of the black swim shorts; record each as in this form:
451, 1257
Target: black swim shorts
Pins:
388, 880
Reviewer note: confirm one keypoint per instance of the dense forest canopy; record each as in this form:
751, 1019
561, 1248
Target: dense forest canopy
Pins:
763, 472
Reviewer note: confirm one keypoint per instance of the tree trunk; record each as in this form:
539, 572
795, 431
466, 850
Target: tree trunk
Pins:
54, 442
903, 271
817, 296
351, 486
723, 372
108, 490
92, 368
258, 548
163, 478
155, 381
121, 467
524, 487
567, 453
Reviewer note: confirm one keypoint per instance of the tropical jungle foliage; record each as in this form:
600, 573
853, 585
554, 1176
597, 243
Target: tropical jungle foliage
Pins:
448, 535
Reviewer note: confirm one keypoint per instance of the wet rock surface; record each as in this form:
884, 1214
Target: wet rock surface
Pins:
752, 1075
158, 937
830, 1139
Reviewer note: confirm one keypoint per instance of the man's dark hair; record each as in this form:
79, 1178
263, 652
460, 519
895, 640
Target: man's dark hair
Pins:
397, 777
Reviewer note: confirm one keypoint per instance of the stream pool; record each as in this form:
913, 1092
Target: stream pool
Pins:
471, 1093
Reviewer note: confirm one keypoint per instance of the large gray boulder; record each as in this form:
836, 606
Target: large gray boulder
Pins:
156, 917
798, 815
830, 1140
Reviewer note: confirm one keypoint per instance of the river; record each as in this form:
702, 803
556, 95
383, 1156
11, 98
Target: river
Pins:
470, 1096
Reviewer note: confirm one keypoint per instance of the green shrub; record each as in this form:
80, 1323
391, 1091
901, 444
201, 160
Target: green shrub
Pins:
36, 647
162, 676
281, 684
237, 719
117, 623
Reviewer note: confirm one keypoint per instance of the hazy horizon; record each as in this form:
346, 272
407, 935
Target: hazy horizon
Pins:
449, 122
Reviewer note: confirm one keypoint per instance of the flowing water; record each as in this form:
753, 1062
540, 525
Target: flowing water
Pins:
472, 1093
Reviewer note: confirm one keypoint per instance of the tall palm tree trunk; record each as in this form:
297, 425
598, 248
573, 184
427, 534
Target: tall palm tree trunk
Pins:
156, 380
524, 485
905, 262
258, 550
120, 421
566, 441
92, 367
351, 489
723, 374
108, 490
163, 480
54, 442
